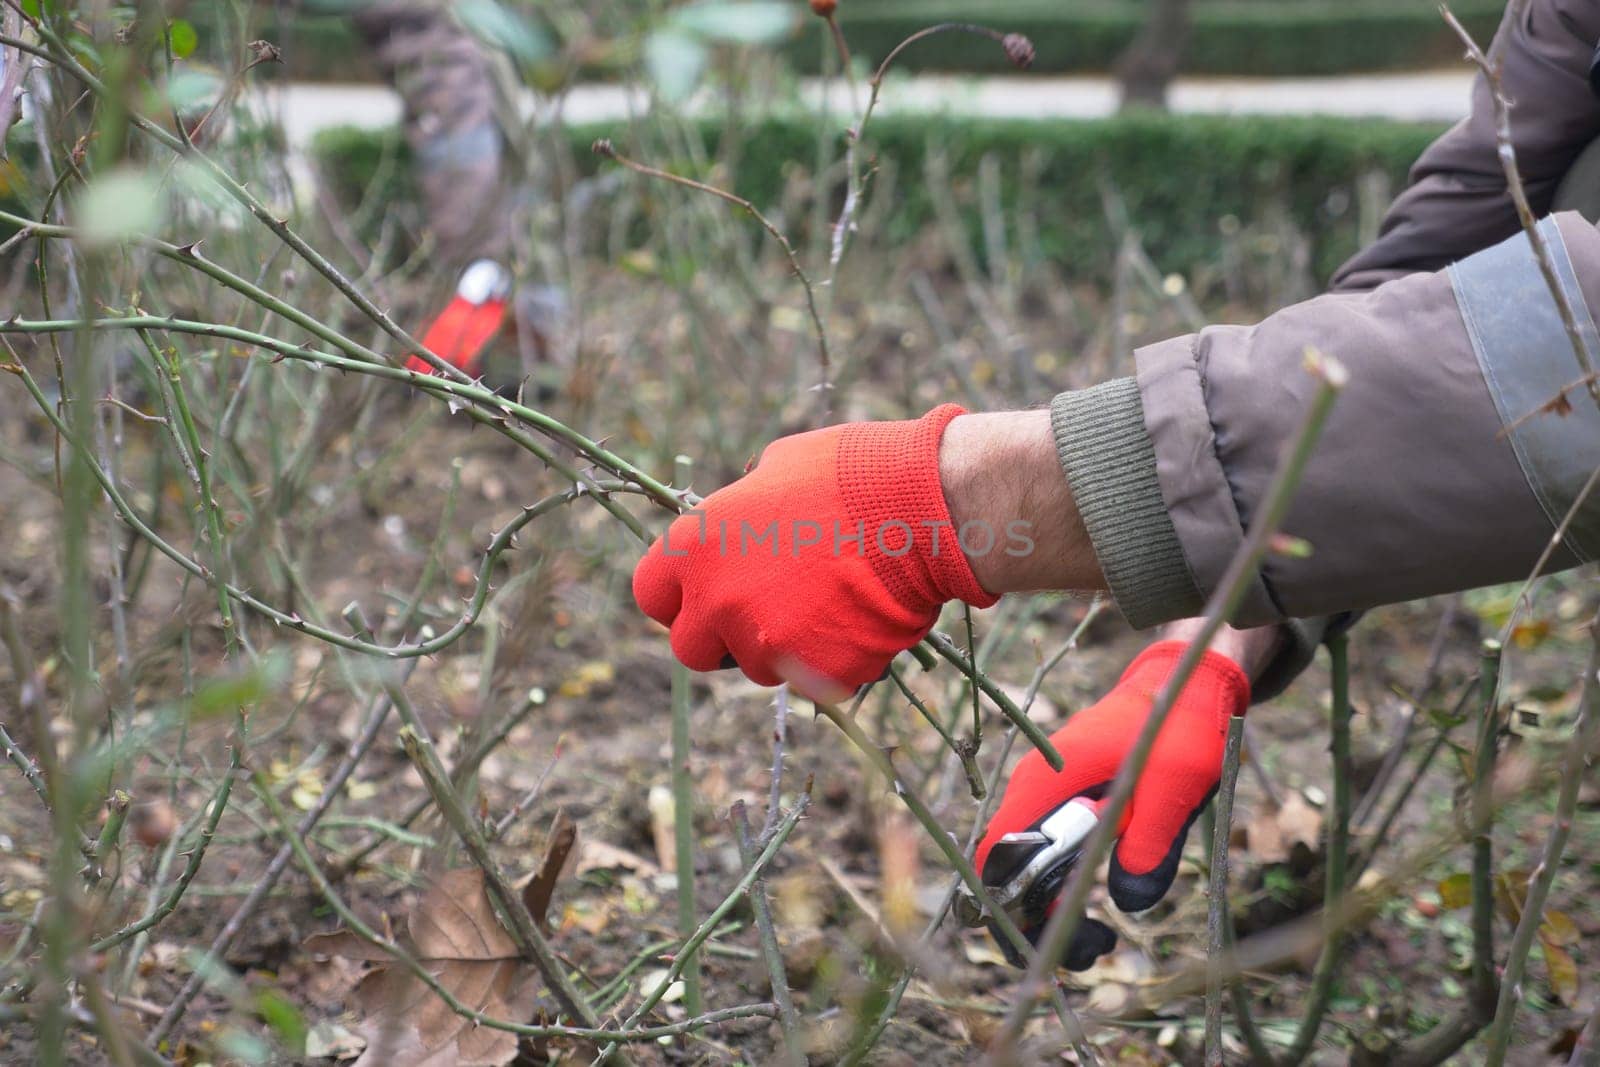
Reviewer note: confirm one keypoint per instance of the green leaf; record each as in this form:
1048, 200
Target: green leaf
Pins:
119, 205
1456, 890
504, 29
675, 61
1445, 719
280, 1013
738, 22
227, 694
184, 39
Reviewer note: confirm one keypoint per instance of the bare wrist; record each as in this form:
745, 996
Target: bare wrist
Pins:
1009, 501
1251, 649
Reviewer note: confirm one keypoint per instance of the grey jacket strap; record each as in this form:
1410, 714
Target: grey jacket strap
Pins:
1527, 359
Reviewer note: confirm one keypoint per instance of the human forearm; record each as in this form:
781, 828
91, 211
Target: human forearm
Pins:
1251, 649
1000, 473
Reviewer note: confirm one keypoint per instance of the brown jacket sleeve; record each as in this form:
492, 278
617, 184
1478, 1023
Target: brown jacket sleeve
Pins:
1430, 476
1169, 498
1457, 202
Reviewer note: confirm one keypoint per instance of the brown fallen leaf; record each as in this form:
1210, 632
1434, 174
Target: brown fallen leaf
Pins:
596, 855
454, 933
1272, 836
558, 849
1558, 929
1562, 971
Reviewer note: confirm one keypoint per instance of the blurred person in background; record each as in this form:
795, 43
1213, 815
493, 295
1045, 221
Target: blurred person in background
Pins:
446, 82
826, 560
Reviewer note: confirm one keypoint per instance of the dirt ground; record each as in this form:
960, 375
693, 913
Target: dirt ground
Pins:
562, 635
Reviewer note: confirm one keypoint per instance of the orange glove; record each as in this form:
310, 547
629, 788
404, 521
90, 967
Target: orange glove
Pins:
817, 567
1178, 780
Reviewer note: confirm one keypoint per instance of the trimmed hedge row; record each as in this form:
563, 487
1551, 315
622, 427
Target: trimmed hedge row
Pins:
1180, 177
1241, 37
1228, 36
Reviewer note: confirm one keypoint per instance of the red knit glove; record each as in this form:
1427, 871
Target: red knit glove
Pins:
469, 321
460, 333
819, 565
1178, 780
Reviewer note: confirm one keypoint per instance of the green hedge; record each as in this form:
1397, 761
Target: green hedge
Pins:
1242, 37
1228, 37
1180, 176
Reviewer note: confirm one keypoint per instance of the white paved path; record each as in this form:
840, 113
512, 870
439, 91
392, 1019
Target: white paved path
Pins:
1440, 96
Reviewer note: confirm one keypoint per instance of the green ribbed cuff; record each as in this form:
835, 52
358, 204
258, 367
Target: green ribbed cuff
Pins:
1110, 465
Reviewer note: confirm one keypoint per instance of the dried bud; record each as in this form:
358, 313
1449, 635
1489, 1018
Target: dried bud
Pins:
1018, 49
603, 147
265, 52
154, 823
824, 8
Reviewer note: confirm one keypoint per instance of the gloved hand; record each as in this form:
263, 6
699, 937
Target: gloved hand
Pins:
1178, 780
460, 332
817, 567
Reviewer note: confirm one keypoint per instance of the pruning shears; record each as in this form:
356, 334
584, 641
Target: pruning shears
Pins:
1026, 870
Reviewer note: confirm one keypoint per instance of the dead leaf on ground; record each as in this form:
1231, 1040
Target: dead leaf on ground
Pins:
557, 851
1559, 929
1562, 970
1271, 836
983, 952
663, 829
596, 855
453, 931
329, 1040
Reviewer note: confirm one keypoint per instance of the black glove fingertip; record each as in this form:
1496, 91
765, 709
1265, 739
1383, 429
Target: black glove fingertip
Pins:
1134, 893
1092, 940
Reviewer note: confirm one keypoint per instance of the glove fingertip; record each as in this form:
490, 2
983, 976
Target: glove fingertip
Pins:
1133, 893
697, 646
1146, 858
656, 588
1092, 940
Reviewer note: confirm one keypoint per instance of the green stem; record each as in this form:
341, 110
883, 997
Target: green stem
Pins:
1484, 991
777, 976
683, 800
419, 748
1008, 707
1338, 857
1585, 736
169, 362
197, 855
1217, 888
